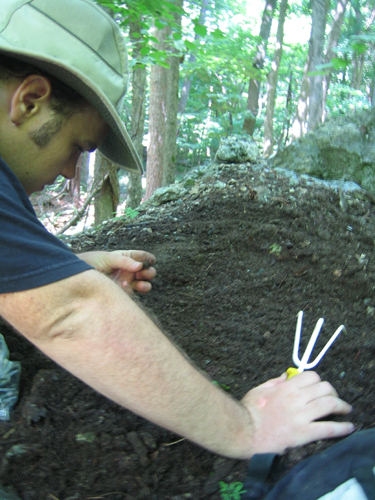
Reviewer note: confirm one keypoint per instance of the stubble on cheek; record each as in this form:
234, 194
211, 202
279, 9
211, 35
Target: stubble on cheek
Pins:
46, 132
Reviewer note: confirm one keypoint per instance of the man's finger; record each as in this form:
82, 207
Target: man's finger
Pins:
328, 405
146, 274
142, 256
325, 430
141, 286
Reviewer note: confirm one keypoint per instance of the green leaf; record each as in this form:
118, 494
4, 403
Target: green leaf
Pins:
136, 35
145, 50
177, 36
159, 24
339, 63
360, 48
190, 45
87, 437
316, 73
275, 248
223, 386
150, 5
172, 7
200, 30
231, 491
325, 66
163, 64
218, 34
131, 213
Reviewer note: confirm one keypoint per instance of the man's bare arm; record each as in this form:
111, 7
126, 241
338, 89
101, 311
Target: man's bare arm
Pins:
94, 330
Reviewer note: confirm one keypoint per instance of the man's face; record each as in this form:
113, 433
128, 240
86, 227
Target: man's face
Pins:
55, 146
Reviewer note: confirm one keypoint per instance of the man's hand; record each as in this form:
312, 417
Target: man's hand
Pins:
131, 269
285, 412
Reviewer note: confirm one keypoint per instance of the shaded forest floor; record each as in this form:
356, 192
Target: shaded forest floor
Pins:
234, 268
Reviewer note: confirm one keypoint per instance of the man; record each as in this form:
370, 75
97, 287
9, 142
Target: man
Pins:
62, 83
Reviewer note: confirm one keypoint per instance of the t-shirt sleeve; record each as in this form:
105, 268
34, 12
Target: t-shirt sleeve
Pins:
30, 256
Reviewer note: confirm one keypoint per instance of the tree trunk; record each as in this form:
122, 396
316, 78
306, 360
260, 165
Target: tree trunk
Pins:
372, 96
306, 93
272, 82
359, 62
157, 125
284, 136
85, 169
134, 188
163, 106
298, 126
333, 40
107, 199
169, 168
357, 24
258, 63
319, 19
74, 185
186, 86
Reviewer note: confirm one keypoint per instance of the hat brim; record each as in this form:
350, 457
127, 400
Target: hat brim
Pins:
117, 147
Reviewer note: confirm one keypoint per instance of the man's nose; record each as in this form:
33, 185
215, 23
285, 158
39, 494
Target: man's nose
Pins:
70, 169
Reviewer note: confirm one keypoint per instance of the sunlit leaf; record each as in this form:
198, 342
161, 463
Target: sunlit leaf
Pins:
323, 67
339, 63
316, 73
145, 50
159, 24
189, 45
218, 34
163, 64
360, 48
200, 30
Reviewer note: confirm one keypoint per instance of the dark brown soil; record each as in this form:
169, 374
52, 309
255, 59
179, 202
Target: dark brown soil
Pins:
229, 297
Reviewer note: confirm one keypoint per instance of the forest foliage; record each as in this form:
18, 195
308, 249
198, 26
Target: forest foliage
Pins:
323, 65
224, 51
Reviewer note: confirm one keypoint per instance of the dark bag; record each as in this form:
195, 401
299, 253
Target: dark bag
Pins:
345, 471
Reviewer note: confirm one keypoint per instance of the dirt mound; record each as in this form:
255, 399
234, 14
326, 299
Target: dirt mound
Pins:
239, 255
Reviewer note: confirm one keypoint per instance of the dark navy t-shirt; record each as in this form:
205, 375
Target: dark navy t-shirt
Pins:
29, 255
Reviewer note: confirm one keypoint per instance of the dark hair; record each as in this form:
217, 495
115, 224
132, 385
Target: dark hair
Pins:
64, 101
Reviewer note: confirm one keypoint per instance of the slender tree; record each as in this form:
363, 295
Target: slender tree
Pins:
311, 93
298, 126
284, 136
163, 106
316, 50
186, 86
139, 74
272, 81
106, 200
170, 156
333, 40
258, 63
358, 58
372, 90
156, 151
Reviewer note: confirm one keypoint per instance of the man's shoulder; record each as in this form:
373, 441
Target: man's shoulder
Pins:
11, 189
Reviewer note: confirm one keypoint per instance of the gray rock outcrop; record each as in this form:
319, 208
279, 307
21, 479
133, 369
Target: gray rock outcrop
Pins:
343, 148
237, 149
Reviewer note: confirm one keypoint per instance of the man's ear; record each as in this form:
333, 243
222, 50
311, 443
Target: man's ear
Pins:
31, 96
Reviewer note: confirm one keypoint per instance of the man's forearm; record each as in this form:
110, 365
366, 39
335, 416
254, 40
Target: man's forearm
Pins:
107, 341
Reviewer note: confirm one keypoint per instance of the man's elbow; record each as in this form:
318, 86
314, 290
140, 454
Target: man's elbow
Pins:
60, 309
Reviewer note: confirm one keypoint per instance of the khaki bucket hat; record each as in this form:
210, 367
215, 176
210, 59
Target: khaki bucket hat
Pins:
78, 43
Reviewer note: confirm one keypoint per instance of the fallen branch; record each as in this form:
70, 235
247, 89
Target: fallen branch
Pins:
82, 211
